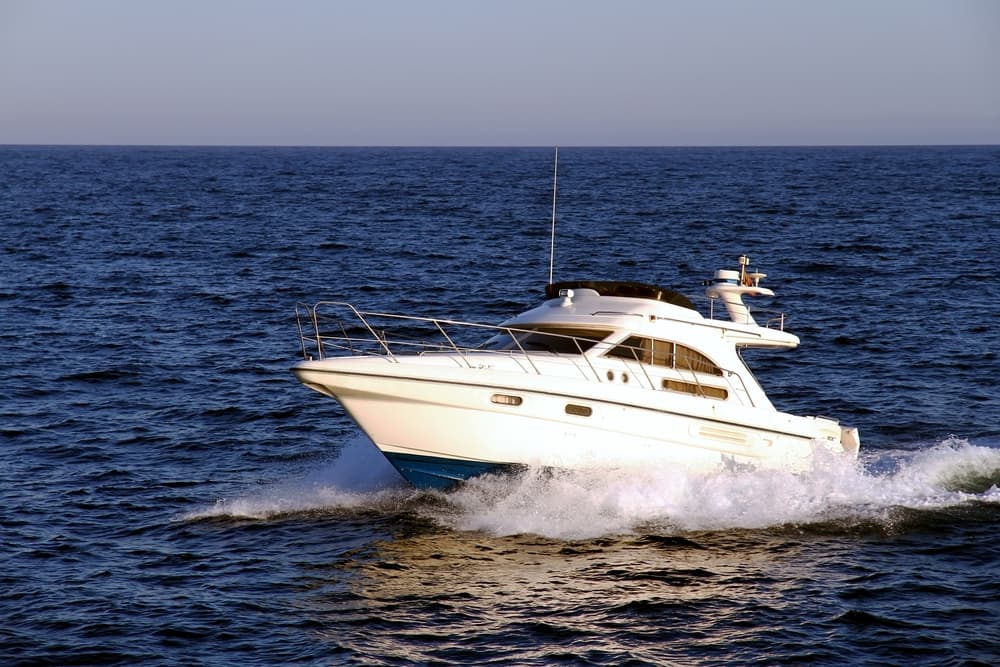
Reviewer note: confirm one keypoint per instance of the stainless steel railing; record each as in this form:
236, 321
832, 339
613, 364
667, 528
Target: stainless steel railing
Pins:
334, 328
335, 333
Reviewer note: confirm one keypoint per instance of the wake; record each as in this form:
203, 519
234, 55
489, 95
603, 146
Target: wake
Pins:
583, 504
360, 478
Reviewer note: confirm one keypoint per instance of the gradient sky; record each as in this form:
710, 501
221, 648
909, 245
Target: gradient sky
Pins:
500, 72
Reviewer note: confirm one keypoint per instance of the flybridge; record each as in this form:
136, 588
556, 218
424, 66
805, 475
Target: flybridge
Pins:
619, 288
727, 285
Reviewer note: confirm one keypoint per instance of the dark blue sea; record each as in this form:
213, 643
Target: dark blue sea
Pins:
171, 495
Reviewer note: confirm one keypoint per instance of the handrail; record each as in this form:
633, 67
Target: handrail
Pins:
510, 332
746, 391
751, 311
364, 316
778, 317
298, 323
358, 314
452, 343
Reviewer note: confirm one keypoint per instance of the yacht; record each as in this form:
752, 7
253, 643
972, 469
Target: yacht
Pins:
600, 374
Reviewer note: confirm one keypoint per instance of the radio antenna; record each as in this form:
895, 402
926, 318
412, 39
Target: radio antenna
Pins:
552, 240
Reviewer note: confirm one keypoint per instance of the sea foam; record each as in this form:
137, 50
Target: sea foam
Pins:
360, 477
590, 503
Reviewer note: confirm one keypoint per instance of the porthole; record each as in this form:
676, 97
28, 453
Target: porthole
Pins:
625, 378
578, 410
611, 376
506, 399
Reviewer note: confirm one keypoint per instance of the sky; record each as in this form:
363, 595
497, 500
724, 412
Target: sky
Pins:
500, 72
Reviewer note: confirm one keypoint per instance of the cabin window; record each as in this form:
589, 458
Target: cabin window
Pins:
506, 399
687, 359
664, 353
695, 389
578, 410
561, 340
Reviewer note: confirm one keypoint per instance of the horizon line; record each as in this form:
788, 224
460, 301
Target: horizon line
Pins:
497, 146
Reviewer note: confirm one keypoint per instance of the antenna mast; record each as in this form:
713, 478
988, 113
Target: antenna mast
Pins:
552, 240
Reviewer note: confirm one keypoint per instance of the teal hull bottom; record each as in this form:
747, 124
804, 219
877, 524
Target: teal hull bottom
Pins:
431, 472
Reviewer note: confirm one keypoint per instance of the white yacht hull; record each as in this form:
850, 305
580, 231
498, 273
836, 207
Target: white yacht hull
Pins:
440, 423
600, 374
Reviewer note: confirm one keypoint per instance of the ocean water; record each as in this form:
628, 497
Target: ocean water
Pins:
170, 495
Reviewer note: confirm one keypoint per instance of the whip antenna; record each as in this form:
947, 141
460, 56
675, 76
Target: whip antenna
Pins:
552, 240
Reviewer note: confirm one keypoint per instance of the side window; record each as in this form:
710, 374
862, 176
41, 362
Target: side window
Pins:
635, 348
664, 353
705, 391
547, 339
691, 360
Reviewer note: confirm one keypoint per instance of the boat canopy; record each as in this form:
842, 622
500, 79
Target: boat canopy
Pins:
622, 288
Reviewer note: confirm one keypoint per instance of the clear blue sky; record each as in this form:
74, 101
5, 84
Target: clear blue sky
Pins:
500, 72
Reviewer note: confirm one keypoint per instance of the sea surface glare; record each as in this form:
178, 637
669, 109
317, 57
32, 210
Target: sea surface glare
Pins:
171, 495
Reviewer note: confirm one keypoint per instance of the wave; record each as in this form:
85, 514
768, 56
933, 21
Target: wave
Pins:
359, 478
582, 504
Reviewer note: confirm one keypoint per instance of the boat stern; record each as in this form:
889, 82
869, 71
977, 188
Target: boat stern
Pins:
850, 440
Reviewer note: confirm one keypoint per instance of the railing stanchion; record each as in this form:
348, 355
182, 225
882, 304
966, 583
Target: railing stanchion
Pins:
319, 339
302, 340
452, 343
527, 357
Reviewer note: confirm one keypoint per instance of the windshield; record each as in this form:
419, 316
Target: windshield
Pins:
561, 340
